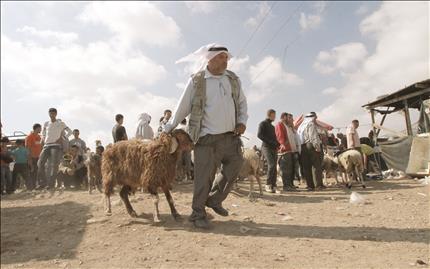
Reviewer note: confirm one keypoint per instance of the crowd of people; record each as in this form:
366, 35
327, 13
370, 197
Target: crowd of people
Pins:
299, 150
48, 159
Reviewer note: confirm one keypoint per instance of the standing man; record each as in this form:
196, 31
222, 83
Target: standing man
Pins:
118, 131
33, 142
52, 139
217, 106
269, 147
352, 137
311, 152
285, 135
82, 146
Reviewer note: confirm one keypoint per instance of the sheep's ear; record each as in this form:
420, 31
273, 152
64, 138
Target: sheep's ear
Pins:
174, 145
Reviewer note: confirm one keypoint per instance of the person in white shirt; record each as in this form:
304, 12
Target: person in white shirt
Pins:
217, 106
311, 152
55, 133
352, 136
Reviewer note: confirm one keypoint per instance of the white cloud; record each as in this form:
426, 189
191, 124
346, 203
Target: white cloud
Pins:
134, 22
51, 35
308, 22
268, 77
88, 84
330, 91
313, 20
238, 65
180, 85
263, 11
344, 58
363, 9
204, 7
400, 59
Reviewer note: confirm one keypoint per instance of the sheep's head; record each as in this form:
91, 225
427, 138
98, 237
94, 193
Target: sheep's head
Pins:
182, 141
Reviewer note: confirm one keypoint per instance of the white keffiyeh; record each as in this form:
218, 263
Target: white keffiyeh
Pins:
200, 58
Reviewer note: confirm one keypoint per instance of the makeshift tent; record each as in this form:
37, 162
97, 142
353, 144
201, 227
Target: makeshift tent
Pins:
320, 124
410, 153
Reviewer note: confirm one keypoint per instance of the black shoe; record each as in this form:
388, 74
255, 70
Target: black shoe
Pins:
289, 189
220, 211
201, 223
310, 189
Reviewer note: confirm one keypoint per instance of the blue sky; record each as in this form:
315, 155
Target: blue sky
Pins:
93, 60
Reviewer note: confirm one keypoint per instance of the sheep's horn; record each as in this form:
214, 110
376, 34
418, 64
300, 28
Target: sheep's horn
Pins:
174, 145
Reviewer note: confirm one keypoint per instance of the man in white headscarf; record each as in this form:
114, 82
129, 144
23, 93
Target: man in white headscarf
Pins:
311, 152
217, 106
144, 130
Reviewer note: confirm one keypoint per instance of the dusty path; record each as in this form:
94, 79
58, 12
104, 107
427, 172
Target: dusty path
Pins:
299, 230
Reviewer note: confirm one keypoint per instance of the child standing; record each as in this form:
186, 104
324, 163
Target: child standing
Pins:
5, 160
22, 161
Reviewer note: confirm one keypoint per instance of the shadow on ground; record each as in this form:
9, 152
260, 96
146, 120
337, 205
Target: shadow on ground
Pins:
377, 234
42, 232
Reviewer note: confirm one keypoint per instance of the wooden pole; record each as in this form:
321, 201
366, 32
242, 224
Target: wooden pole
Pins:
408, 118
375, 132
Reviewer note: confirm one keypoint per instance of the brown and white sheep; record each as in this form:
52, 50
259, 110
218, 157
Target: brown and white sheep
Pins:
351, 163
151, 165
250, 169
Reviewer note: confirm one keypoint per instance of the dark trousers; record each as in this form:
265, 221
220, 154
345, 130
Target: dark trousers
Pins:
33, 174
311, 162
210, 152
19, 170
270, 155
77, 179
298, 170
6, 179
287, 166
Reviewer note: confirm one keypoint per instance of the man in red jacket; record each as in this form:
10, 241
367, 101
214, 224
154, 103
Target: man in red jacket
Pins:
285, 134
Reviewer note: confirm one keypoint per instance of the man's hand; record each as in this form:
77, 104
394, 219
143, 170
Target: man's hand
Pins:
240, 129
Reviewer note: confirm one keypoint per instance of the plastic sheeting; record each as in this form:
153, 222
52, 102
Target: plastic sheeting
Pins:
419, 160
396, 152
424, 121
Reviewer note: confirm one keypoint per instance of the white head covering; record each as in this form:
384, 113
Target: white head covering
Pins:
144, 118
203, 55
144, 130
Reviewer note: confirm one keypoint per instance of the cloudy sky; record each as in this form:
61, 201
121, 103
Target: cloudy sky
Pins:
94, 60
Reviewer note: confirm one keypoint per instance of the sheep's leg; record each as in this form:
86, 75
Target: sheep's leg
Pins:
124, 197
108, 204
344, 180
251, 187
349, 180
90, 183
259, 184
360, 177
337, 178
156, 199
169, 198
99, 185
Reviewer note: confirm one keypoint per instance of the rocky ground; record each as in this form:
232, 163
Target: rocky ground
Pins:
294, 230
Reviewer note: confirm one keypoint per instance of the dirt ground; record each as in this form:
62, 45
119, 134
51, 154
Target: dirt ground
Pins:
294, 230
